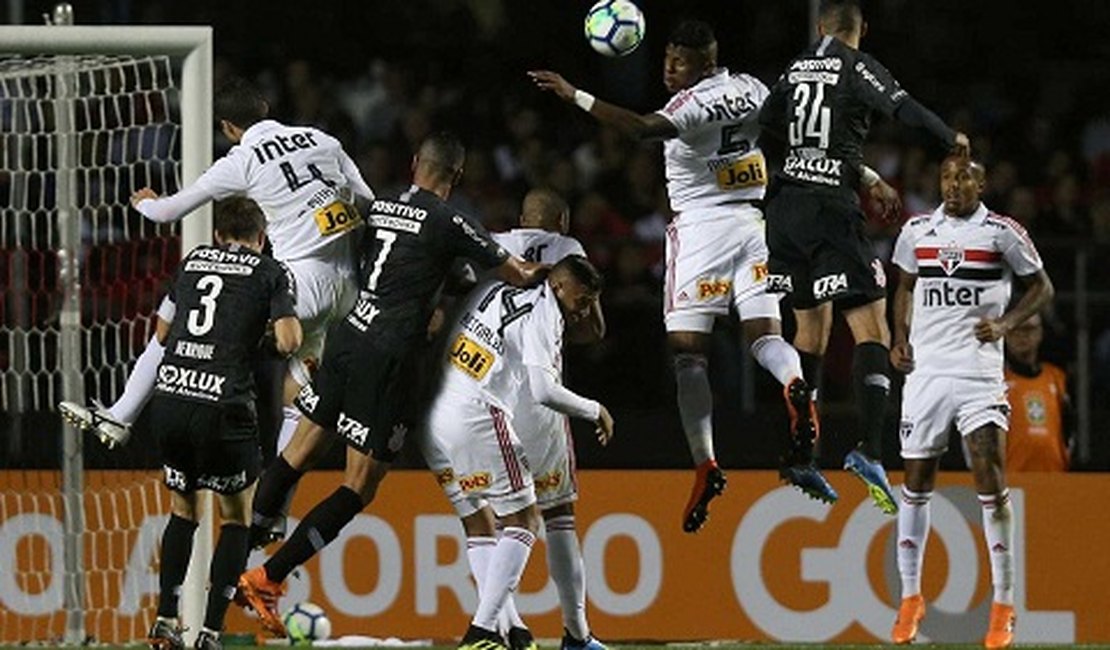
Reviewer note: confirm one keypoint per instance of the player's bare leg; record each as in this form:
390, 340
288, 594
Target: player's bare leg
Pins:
913, 532
695, 406
871, 378
986, 445
781, 360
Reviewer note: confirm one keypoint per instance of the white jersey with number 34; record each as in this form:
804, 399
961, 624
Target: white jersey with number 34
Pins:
303, 181
715, 159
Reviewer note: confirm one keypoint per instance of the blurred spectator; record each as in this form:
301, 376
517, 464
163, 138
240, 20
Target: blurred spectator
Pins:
1039, 404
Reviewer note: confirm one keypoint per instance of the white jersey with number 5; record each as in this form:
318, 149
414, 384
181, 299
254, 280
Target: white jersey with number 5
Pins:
964, 269
502, 330
303, 181
539, 245
715, 159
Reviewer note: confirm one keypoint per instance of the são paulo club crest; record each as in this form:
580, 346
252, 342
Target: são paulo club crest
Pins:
950, 258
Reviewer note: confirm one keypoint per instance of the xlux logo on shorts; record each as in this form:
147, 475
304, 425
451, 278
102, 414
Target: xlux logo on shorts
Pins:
711, 288
307, 398
175, 479
223, 484
189, 382
779, 283
470, 357
476, 481
830, 285
352, 429
945, 295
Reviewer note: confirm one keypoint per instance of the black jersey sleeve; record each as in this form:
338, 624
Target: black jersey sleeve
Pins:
876, 86
467, 238
913, 113
282, 296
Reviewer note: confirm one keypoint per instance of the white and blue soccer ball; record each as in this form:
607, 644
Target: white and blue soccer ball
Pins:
306, 622
615, 27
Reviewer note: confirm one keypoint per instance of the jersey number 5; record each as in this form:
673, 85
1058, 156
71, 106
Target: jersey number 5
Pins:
811, 118
202, 319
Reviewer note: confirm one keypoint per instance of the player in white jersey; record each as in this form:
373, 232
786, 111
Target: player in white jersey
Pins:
716, 252
548, 445
957, 265
505, 348
306, 185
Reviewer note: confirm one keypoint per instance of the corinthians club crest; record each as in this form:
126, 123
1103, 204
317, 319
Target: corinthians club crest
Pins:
950, 258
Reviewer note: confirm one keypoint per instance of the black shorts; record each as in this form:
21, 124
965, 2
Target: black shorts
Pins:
818, 250
206, 446
356, 393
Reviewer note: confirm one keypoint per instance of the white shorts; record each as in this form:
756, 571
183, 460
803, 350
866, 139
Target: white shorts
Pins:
486, 458
326, 291
716, 258
931, 404
549, 447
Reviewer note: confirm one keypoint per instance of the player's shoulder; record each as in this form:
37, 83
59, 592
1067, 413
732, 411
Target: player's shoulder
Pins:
919, 223
745, 82
1005, 223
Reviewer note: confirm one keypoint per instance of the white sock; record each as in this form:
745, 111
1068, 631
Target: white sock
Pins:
913, 532
778, 357
695, 404
140, 384
998, 528
506, 565
564, 562
478, 552
290, 416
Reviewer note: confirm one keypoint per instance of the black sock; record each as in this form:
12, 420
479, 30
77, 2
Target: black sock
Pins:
812, 369
871, 377
275, 488
228, 562
177, 546
318, 528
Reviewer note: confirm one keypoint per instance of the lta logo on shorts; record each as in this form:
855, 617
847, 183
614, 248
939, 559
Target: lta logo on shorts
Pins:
830, 285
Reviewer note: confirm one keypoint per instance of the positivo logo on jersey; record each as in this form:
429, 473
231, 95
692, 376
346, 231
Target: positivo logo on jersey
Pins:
470, 357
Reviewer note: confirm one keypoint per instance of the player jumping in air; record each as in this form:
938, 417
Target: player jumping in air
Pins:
716, 254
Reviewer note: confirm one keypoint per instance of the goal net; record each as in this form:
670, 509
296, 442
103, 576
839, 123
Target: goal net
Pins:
81, 274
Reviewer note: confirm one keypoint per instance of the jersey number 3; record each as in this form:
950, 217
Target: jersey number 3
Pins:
202, 318
811, 118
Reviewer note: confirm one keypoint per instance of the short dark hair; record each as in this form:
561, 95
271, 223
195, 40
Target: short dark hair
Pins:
694, 34
580, 268
238, 218
443, 153
240, 103
840, 15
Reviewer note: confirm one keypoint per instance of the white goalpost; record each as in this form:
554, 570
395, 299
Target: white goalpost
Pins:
88, 115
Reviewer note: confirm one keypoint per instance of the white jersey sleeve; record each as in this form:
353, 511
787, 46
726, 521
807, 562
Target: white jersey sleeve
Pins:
537, 245
542, 338
1018, 249
904, 255
226, 177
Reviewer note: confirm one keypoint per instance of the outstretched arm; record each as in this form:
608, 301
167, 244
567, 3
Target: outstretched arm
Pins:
649, 126
174, 207
547, 390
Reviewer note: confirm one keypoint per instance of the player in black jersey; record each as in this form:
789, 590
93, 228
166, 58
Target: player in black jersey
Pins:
412, 241
824, 103
222, 297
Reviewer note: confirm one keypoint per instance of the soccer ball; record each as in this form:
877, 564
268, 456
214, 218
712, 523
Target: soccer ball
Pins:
306, 622
615, 27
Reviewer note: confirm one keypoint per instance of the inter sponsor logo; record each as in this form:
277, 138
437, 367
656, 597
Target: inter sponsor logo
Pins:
279, 146
476, 481
943, 294
712, 288
195, 350
470, 357
830, 285
729, 107
352, 429
190, 382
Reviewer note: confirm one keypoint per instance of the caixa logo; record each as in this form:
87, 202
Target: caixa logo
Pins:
956, 615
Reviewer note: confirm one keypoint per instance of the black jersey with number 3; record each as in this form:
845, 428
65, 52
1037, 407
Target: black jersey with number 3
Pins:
826, 99
224, 296
412, 242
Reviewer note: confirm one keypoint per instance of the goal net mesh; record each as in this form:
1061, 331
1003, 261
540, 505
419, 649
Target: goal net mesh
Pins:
126, 134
